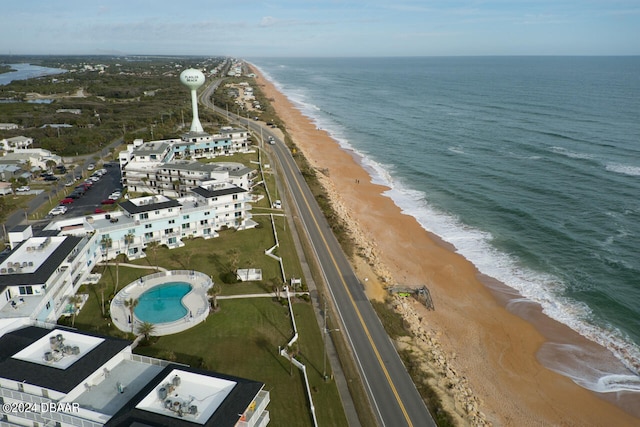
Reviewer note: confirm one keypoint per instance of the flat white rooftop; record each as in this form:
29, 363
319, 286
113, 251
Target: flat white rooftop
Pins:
31, 255
149, 200
58, 349
190, 397
115, 387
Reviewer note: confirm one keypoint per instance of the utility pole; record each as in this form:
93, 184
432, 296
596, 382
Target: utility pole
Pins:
325, 332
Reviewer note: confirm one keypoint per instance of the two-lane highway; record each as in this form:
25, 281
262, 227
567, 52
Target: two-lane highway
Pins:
393, 396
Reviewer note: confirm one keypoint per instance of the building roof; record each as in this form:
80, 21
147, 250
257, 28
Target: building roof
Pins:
226, 414
49, 377
152, 147
45, 270
132, 208
207, 194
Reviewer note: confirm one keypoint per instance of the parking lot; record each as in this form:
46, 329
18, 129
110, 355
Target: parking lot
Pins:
92, 198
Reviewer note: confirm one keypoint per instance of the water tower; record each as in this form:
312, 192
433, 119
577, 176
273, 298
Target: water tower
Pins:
193, 79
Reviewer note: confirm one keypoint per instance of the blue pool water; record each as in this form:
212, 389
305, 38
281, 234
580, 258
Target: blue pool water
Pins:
163, 303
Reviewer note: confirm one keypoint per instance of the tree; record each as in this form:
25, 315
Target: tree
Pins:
153, 247
131, 304
74, 300
50, 164
102, 286
147, 329
213, 293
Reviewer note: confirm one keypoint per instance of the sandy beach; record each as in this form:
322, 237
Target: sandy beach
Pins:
482, 355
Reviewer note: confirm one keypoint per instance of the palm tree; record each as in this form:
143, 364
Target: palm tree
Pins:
147, 329
50, 164
213, 292
102, 286
131, 304
74, 300
153, 246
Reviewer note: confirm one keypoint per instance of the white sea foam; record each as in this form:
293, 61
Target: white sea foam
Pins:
623, 169
588, 369
563, 151
475, 245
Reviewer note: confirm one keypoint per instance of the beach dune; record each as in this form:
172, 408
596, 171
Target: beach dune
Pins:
489, 349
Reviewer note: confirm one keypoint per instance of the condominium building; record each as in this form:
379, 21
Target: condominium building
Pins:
55, 376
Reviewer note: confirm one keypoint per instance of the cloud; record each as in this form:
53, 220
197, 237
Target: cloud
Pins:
268, 21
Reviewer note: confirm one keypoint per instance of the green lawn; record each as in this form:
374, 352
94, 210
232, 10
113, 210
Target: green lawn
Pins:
243, 337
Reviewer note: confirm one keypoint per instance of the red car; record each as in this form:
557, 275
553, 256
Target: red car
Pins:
108, 202
99, 211
66, 201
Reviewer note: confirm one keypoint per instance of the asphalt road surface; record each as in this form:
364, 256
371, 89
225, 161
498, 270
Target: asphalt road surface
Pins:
393, 396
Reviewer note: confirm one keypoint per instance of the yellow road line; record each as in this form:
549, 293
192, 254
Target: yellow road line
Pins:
344, 284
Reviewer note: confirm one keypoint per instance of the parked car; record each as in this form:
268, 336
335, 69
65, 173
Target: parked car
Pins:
23, 188
69, 183
108, 202
115, 195
277, 204
66, 201
91, 166
58, 210
99, 211
50, 178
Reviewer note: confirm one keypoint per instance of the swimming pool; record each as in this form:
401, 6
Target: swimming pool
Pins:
163, 303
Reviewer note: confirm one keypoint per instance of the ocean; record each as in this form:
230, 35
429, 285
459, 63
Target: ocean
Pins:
529, 166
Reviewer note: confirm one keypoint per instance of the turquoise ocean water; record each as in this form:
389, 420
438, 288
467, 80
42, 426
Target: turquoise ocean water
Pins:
530, 166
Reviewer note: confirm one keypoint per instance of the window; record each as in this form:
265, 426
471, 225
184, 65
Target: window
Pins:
148, 225
185, 216
172, 221
186, 226
204, 221
207, 213
144, 215
235, 197
157, 212
148, 235
26, 290
168, 231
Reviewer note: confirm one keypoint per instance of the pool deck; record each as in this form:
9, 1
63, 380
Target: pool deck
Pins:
196, 301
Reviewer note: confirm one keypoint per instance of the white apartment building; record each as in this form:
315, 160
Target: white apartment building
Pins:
168, 167
63, 377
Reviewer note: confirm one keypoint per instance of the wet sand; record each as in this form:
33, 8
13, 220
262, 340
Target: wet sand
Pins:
482, 355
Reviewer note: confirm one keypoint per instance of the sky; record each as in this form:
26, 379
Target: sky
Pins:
321, 28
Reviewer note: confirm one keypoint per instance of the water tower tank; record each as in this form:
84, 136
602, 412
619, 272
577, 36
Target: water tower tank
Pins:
193, 79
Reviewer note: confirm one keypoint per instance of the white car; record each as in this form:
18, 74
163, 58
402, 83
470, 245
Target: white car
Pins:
115, 195
58, 210
23, 188
277, 204
102, 171
91, 167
